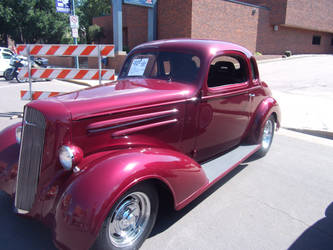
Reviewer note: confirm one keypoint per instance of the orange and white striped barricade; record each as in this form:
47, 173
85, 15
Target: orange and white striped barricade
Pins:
37, 95
60, 73
86, 50
66, 50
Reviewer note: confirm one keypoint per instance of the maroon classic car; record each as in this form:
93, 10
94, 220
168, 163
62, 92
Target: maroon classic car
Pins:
95, 164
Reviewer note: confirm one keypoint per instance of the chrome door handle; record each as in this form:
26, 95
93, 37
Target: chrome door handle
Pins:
252, 95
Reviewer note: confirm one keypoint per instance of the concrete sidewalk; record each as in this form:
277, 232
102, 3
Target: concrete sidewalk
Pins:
303, 86
308, 114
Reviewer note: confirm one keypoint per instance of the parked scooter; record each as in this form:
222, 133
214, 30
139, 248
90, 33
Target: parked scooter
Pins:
15, 63
18, 62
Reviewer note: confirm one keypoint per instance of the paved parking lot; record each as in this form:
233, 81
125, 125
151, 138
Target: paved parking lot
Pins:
10, 100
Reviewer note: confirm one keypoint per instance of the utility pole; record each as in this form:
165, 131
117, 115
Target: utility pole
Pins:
74, 38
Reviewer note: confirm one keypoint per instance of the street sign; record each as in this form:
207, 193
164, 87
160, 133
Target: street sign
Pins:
63, 6
75, 33
74, 22
145, 3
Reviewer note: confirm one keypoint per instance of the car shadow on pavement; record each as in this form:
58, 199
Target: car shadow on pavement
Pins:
17, 232
167, 216
319, 236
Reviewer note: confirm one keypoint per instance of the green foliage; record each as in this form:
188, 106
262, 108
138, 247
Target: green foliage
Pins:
36, 21
32, 21
95, 33
86, 10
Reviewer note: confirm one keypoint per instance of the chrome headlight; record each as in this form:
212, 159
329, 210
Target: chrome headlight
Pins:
18, 134
70, 156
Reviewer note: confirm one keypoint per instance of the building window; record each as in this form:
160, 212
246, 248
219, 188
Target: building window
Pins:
316, 40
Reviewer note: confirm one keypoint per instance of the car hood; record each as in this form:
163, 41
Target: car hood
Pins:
122, 95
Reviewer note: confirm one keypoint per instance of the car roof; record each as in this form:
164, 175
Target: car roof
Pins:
202, 45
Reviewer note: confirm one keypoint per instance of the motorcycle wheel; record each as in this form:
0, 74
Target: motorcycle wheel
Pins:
8, 74
20, 80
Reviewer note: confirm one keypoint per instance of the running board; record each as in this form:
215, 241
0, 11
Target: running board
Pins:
225, 163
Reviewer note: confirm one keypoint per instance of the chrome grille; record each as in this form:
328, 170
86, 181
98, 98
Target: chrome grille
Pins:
31, 151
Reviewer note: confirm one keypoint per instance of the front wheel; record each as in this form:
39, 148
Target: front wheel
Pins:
267, 137
20, 80
130, 221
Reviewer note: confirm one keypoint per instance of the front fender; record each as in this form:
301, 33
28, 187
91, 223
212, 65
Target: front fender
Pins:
91, 193
9, 155
264, 110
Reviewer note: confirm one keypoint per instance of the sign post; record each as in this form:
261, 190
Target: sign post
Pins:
74, 23
68, 7
75, 33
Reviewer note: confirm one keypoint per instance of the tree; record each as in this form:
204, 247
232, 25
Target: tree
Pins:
32, 21
95, 33
87, 9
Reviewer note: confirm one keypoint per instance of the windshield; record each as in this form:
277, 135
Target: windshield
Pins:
172, 66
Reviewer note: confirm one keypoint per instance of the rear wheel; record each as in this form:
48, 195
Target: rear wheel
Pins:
267, 137
8, 74
130, 220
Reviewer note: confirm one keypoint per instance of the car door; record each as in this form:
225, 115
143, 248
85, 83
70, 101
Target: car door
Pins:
224, 106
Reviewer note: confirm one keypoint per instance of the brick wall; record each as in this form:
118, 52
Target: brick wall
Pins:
113, 63
174, 18
61, 61
237, 23
134, 26
135, 22
299, 41
305, 14
226, 21
278, 9
313, 15
105, 22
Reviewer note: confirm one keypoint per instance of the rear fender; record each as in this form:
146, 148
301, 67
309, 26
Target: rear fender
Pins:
265, 109
93, 191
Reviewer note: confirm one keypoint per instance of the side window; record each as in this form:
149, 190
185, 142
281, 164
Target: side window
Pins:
227, 70
253, 69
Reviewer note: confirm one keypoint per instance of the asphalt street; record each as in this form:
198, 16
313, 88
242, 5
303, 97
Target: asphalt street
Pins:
281, 201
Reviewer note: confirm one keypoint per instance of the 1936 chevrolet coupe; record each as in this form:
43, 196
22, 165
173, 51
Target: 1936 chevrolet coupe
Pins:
94, 164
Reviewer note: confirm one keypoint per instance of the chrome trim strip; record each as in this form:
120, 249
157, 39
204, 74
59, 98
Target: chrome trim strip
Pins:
143, 127
127, 121
21, 211
226, 94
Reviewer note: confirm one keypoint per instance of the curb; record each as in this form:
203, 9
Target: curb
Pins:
318, 133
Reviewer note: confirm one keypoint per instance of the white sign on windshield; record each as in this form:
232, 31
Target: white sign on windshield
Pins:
138, 67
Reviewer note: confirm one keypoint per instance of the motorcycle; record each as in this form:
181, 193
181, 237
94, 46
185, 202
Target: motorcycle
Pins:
18, 62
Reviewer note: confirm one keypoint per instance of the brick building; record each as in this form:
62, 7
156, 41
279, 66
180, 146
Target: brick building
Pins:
266, 26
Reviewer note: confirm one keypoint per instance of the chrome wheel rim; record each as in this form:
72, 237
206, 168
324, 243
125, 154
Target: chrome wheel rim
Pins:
267, 135
129, 219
